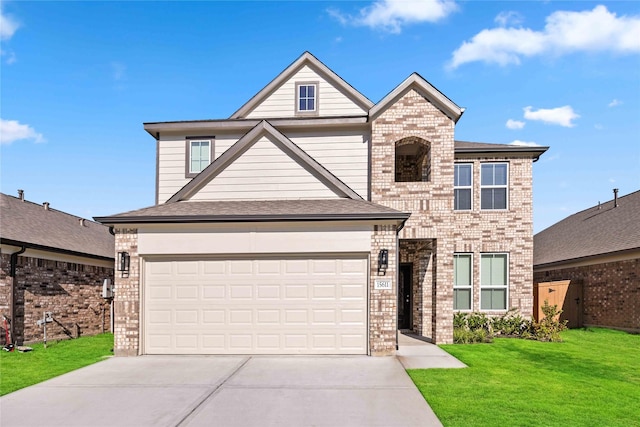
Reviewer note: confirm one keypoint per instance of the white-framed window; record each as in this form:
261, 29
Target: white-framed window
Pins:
462, 281
199, 153
493, 185
494, 281
462, 185
307, 98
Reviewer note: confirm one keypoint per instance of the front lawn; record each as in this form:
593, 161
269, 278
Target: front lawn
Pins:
19, 370
590, 379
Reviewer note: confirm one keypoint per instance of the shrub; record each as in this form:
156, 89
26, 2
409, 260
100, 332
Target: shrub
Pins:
511, 324
550, 326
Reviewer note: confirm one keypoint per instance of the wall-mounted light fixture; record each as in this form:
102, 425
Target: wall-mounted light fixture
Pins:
383, 261
124, 260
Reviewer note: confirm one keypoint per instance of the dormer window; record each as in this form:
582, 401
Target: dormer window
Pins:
307, 98
199, 151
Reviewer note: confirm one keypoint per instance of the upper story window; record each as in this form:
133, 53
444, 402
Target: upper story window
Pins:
413, 160
199, 151
307, 98
462, 288
493, 185
493, 281
462, 185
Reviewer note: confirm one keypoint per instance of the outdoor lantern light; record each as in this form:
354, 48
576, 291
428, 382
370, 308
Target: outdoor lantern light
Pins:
123, 263
383, 260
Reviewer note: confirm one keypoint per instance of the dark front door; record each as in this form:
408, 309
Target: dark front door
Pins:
404, 296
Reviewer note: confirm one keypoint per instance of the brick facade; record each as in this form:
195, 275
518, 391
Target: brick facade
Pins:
610, 291
127, 296
71, 291
435, 231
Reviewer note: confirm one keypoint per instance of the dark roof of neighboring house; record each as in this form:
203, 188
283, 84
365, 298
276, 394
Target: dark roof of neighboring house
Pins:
257, 210
599, 230
30, 224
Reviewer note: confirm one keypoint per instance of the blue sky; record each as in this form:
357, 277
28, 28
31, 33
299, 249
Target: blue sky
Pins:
78, 79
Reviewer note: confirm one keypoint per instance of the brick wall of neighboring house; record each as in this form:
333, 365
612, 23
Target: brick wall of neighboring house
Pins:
127, 297
71, 291
433, 219
610, 291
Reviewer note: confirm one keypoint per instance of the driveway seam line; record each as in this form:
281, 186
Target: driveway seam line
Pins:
208, 395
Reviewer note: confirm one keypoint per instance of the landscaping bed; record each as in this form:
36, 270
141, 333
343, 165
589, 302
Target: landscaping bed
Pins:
592, 378
19, 370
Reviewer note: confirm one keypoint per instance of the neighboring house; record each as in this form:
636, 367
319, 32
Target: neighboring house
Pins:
52, 262
315, 221
598, 252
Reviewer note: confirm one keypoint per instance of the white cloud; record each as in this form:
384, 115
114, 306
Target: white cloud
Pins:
598, 126
615, 103
524, 143
393, 15
564, 32
7, 26
514, 124
562, 116
12, 130
508, 18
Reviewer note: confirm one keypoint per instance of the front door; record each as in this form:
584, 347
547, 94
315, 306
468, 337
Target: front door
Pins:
404, 296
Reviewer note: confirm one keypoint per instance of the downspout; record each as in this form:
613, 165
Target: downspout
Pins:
14, 286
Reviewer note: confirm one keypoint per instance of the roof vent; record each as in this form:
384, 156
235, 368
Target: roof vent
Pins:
81, 222
615, 197
21, 195
46, 206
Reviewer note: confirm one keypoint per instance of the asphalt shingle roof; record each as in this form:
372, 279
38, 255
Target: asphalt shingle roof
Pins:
598, 230
30, 223
257, 210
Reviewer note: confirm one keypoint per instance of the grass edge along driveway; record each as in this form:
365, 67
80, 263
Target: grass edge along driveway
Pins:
20, 370
590, 379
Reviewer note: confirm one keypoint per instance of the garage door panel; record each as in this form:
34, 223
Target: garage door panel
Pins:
262, 306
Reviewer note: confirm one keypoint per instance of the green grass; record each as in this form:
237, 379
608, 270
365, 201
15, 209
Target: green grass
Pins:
19, 370
590, 379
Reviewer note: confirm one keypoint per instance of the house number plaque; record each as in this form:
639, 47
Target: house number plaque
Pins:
382, 284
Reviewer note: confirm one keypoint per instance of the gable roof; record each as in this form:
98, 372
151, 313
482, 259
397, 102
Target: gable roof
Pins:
243, 144
418, 83
599, 230
316, 65
257, 211
29, 224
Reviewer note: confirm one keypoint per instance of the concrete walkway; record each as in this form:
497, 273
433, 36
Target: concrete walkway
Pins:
415, 353
225, 391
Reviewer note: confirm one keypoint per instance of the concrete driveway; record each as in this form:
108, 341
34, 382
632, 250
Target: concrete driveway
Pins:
224, 391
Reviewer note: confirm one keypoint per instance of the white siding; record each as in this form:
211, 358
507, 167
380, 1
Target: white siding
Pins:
172, 158
342, 153
281, 103
345, 155
264, 172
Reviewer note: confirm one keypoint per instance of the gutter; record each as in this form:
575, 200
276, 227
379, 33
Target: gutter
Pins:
14, 286
52, 249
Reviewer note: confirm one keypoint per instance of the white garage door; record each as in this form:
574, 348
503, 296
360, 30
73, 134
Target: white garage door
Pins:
256, 306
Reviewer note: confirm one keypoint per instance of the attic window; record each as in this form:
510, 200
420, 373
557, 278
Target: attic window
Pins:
199, 152
307, 98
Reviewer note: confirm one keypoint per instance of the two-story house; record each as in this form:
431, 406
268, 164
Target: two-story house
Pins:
314, 221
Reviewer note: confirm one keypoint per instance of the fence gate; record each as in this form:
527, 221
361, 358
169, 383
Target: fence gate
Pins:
563, 293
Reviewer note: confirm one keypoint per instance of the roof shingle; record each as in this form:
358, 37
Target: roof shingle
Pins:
595, 231
30, 223
257, 210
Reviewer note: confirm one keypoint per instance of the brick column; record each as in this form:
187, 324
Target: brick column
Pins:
383, 303
127, 296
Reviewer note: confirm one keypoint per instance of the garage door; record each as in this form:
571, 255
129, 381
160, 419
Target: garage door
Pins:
289, 305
